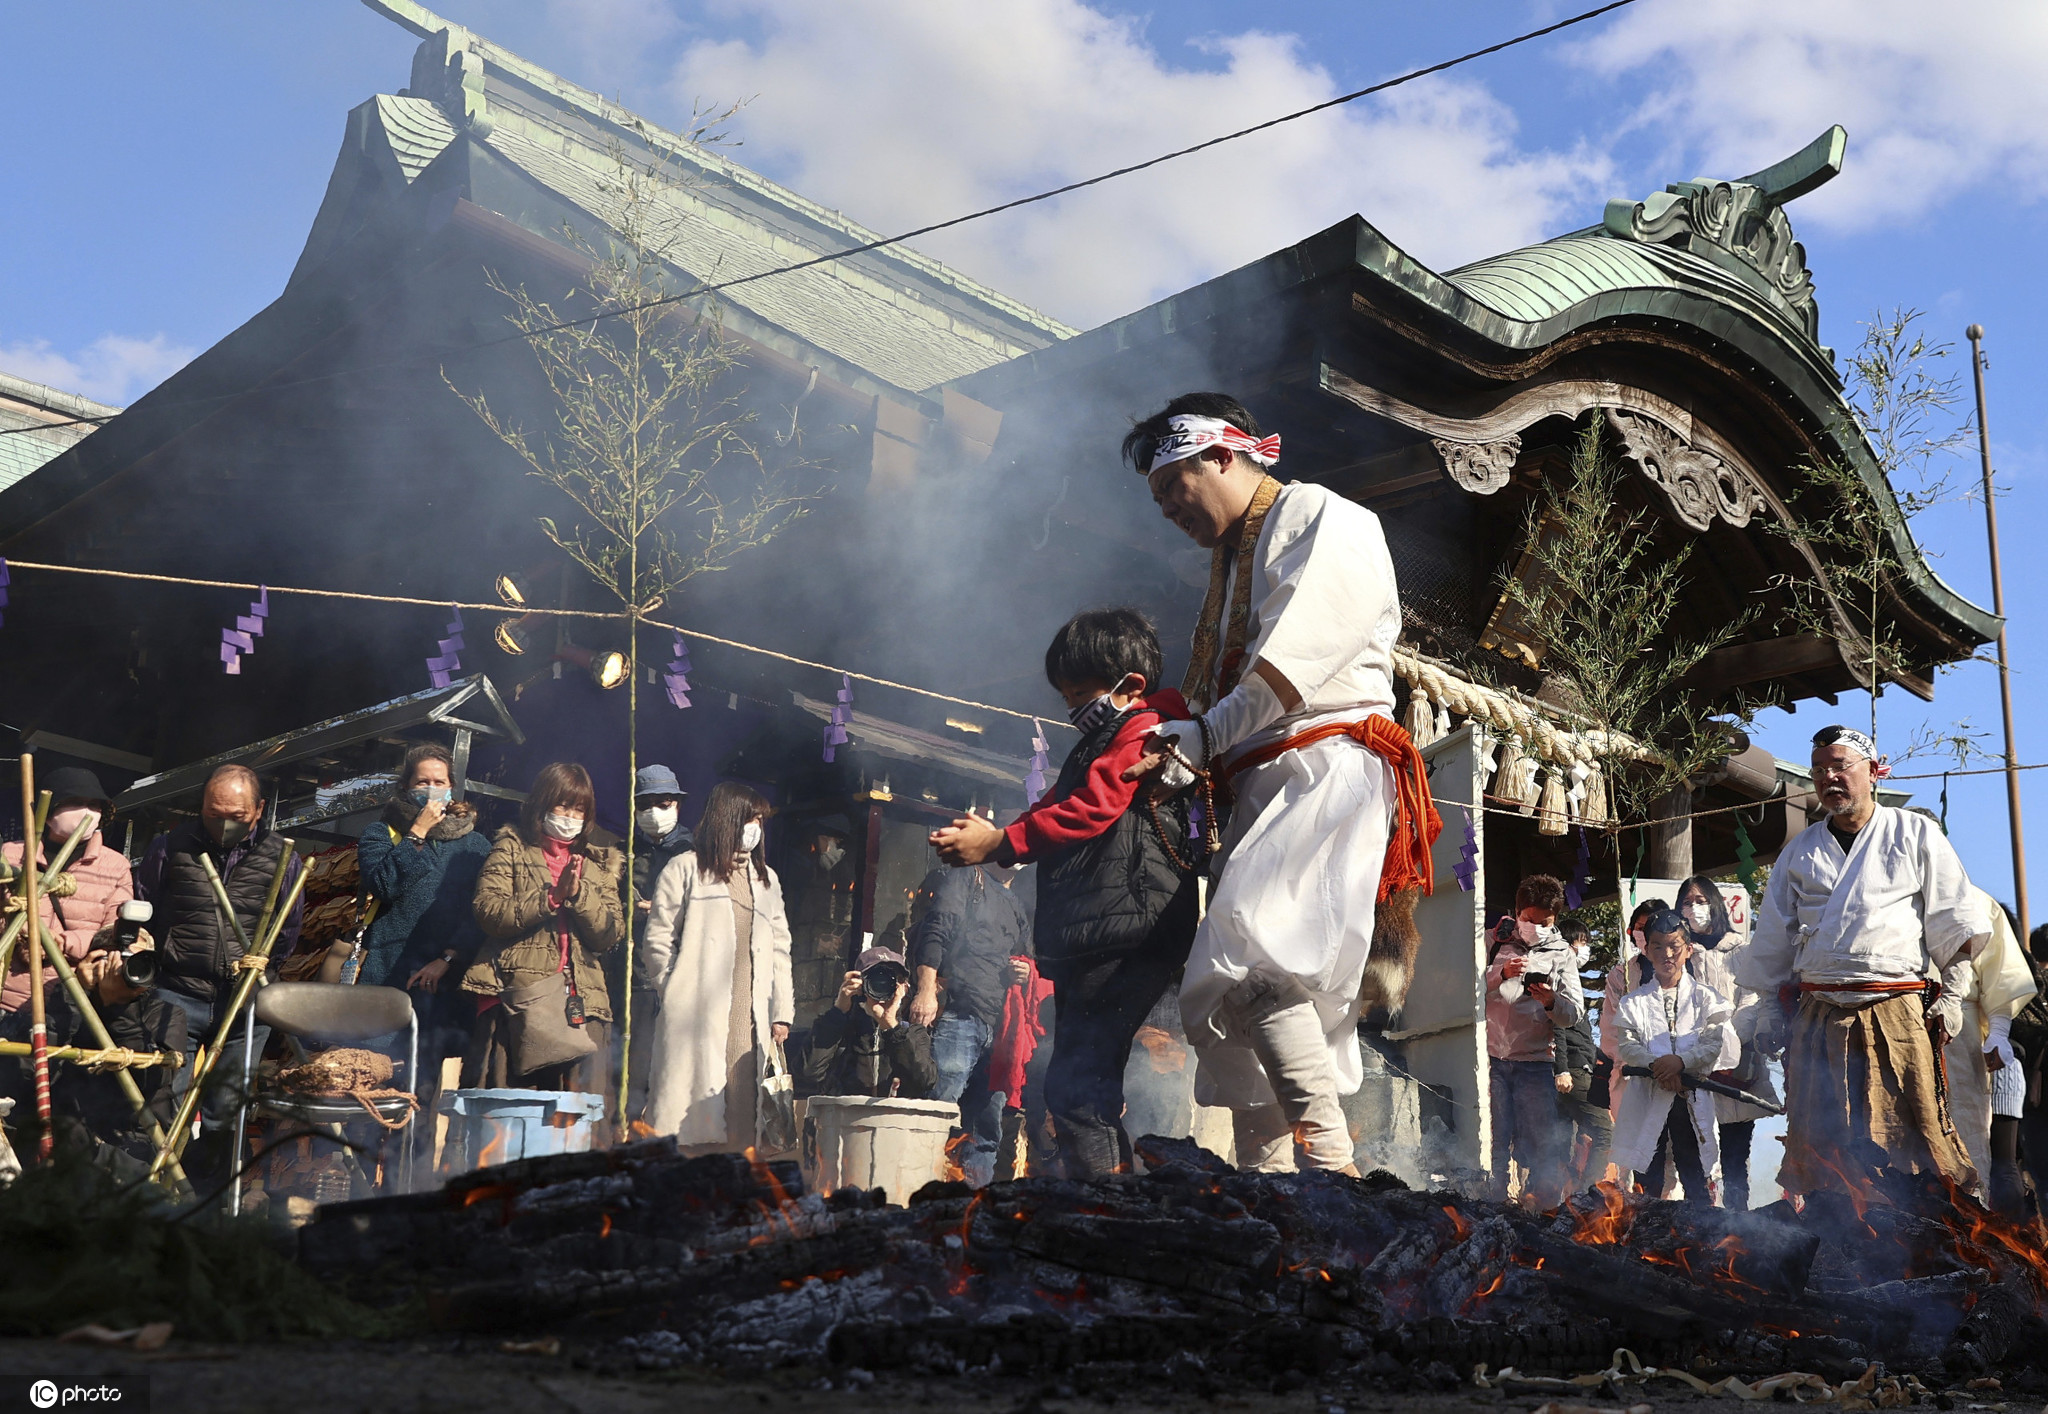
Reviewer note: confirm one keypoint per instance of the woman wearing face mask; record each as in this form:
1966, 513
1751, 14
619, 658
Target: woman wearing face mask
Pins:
1715, 946
1631, 969
549, 903
717, 953
97, 877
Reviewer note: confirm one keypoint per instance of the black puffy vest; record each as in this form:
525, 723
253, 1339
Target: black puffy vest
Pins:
1117, 893
196, 948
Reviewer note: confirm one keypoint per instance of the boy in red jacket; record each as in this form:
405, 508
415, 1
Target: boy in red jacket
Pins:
1116, 907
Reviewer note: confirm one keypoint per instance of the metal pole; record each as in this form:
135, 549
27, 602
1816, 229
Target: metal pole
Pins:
1975, 334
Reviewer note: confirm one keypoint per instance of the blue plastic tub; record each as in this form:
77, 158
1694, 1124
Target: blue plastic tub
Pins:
498, 1126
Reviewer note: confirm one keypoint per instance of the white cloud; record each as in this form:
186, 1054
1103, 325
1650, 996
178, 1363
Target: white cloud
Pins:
902, 112
114, 368
1937, 98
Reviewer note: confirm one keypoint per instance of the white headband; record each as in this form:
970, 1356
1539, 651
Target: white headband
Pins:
1862, 745
1189, 434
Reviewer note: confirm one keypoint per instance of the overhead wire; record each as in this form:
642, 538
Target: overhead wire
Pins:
883, 242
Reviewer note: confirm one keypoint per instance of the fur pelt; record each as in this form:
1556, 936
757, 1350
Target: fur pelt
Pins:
1390, 967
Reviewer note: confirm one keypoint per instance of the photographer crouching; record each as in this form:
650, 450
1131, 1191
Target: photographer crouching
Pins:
90, 1110
863, 1045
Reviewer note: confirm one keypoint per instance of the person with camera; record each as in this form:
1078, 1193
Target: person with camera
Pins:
863, 1044
90, 1109
1583, 1075
95, 882
1532, 993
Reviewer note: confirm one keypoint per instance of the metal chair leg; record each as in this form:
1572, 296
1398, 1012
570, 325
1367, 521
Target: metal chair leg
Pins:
241, 1135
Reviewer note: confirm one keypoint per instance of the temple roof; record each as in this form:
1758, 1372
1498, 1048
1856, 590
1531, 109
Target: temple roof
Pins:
40, 423
902, 319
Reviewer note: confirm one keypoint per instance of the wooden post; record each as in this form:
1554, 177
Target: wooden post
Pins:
1975, 334
1671, 836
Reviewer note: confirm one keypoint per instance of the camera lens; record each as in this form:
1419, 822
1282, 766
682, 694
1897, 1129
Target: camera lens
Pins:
879, 983
138, 969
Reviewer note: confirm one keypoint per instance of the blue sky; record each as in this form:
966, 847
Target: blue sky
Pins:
162, 176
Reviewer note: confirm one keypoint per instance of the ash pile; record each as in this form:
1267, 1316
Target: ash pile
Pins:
1190, 1269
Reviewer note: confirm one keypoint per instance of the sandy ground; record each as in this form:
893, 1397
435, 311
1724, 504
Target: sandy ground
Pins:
344, 1378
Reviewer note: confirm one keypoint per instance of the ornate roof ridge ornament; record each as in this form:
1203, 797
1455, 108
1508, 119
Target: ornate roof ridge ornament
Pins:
1741, 225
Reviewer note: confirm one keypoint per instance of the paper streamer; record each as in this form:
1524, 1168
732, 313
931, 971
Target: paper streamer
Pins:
1582, 874
675, 678
842, 713
1041, 758
241, 639
1467, 867
443, 666
3, 592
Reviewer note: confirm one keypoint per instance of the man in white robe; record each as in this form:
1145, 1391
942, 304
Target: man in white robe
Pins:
1292, 673
1985, 1082
1860, 905
1674, 1025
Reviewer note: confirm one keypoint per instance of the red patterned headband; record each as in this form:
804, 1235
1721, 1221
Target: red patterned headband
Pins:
1189, 434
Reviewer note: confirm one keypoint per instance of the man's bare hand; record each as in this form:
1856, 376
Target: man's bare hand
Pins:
1149, 764
924, 1007
1668, 1071
1541, 990
968, 840
1020, 971
1563, 1082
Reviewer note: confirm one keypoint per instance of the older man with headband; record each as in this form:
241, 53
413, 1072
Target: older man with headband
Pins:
1292, 676
1861, 906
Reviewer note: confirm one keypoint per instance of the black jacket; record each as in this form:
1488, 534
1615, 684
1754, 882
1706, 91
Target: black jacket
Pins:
96, 1102
1118, 892
972, 926
198, 950
851, 1055
1575, 1050
648, 862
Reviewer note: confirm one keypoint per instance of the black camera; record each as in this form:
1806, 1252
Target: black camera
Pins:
879, 982
1504, 931
138, 966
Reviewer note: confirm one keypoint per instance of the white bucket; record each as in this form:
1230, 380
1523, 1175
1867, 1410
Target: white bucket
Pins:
851, 1141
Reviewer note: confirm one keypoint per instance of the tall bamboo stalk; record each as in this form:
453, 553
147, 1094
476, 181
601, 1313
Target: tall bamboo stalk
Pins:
13, 929
1975, 334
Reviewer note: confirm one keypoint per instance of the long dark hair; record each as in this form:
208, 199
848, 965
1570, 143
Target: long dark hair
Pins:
726, 812
1718, 926
559, 784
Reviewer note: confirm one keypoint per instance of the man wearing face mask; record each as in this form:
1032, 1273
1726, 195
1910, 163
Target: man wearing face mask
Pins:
96, 880
659, 835
819, 879
199, 955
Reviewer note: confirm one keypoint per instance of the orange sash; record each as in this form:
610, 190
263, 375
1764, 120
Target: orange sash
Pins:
1416, 822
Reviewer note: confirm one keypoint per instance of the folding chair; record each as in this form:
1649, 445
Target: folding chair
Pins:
328, 1013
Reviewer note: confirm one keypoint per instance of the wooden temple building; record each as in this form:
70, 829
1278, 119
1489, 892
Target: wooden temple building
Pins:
963, 448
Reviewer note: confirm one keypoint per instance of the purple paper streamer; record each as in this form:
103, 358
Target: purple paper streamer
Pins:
842, 713
241, 639
442, 668
675, 678
1467, 867
1034, 779
4, 582
1582, 874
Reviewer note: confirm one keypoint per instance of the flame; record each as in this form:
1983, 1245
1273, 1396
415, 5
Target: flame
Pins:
485, 1192
1609, 1225
641, 1129
783, 1209
1460, 1227
494, 1149
606, 1230
954, 1172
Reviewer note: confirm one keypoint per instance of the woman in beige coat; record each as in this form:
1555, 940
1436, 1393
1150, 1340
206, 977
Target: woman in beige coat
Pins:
721, 1003
548, 902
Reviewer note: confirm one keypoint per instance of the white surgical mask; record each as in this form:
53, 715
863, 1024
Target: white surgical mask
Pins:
750, 837
658, 822
829, 857
1582, 953
1698, 915
563, 827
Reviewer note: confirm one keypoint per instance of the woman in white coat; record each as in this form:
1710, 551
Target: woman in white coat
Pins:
717, 956
1674, 1025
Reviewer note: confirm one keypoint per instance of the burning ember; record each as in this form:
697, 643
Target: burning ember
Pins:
1194, 1266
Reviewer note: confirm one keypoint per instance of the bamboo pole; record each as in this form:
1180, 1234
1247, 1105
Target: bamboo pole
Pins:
81, 999
38, 1021
1975, 334
119, 1056
207, 1058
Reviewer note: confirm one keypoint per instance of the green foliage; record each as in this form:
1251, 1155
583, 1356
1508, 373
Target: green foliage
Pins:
1600, 593
82, 1246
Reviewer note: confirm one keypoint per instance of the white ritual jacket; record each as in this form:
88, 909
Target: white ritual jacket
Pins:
1324, 609
1703, 1037
1880, 913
